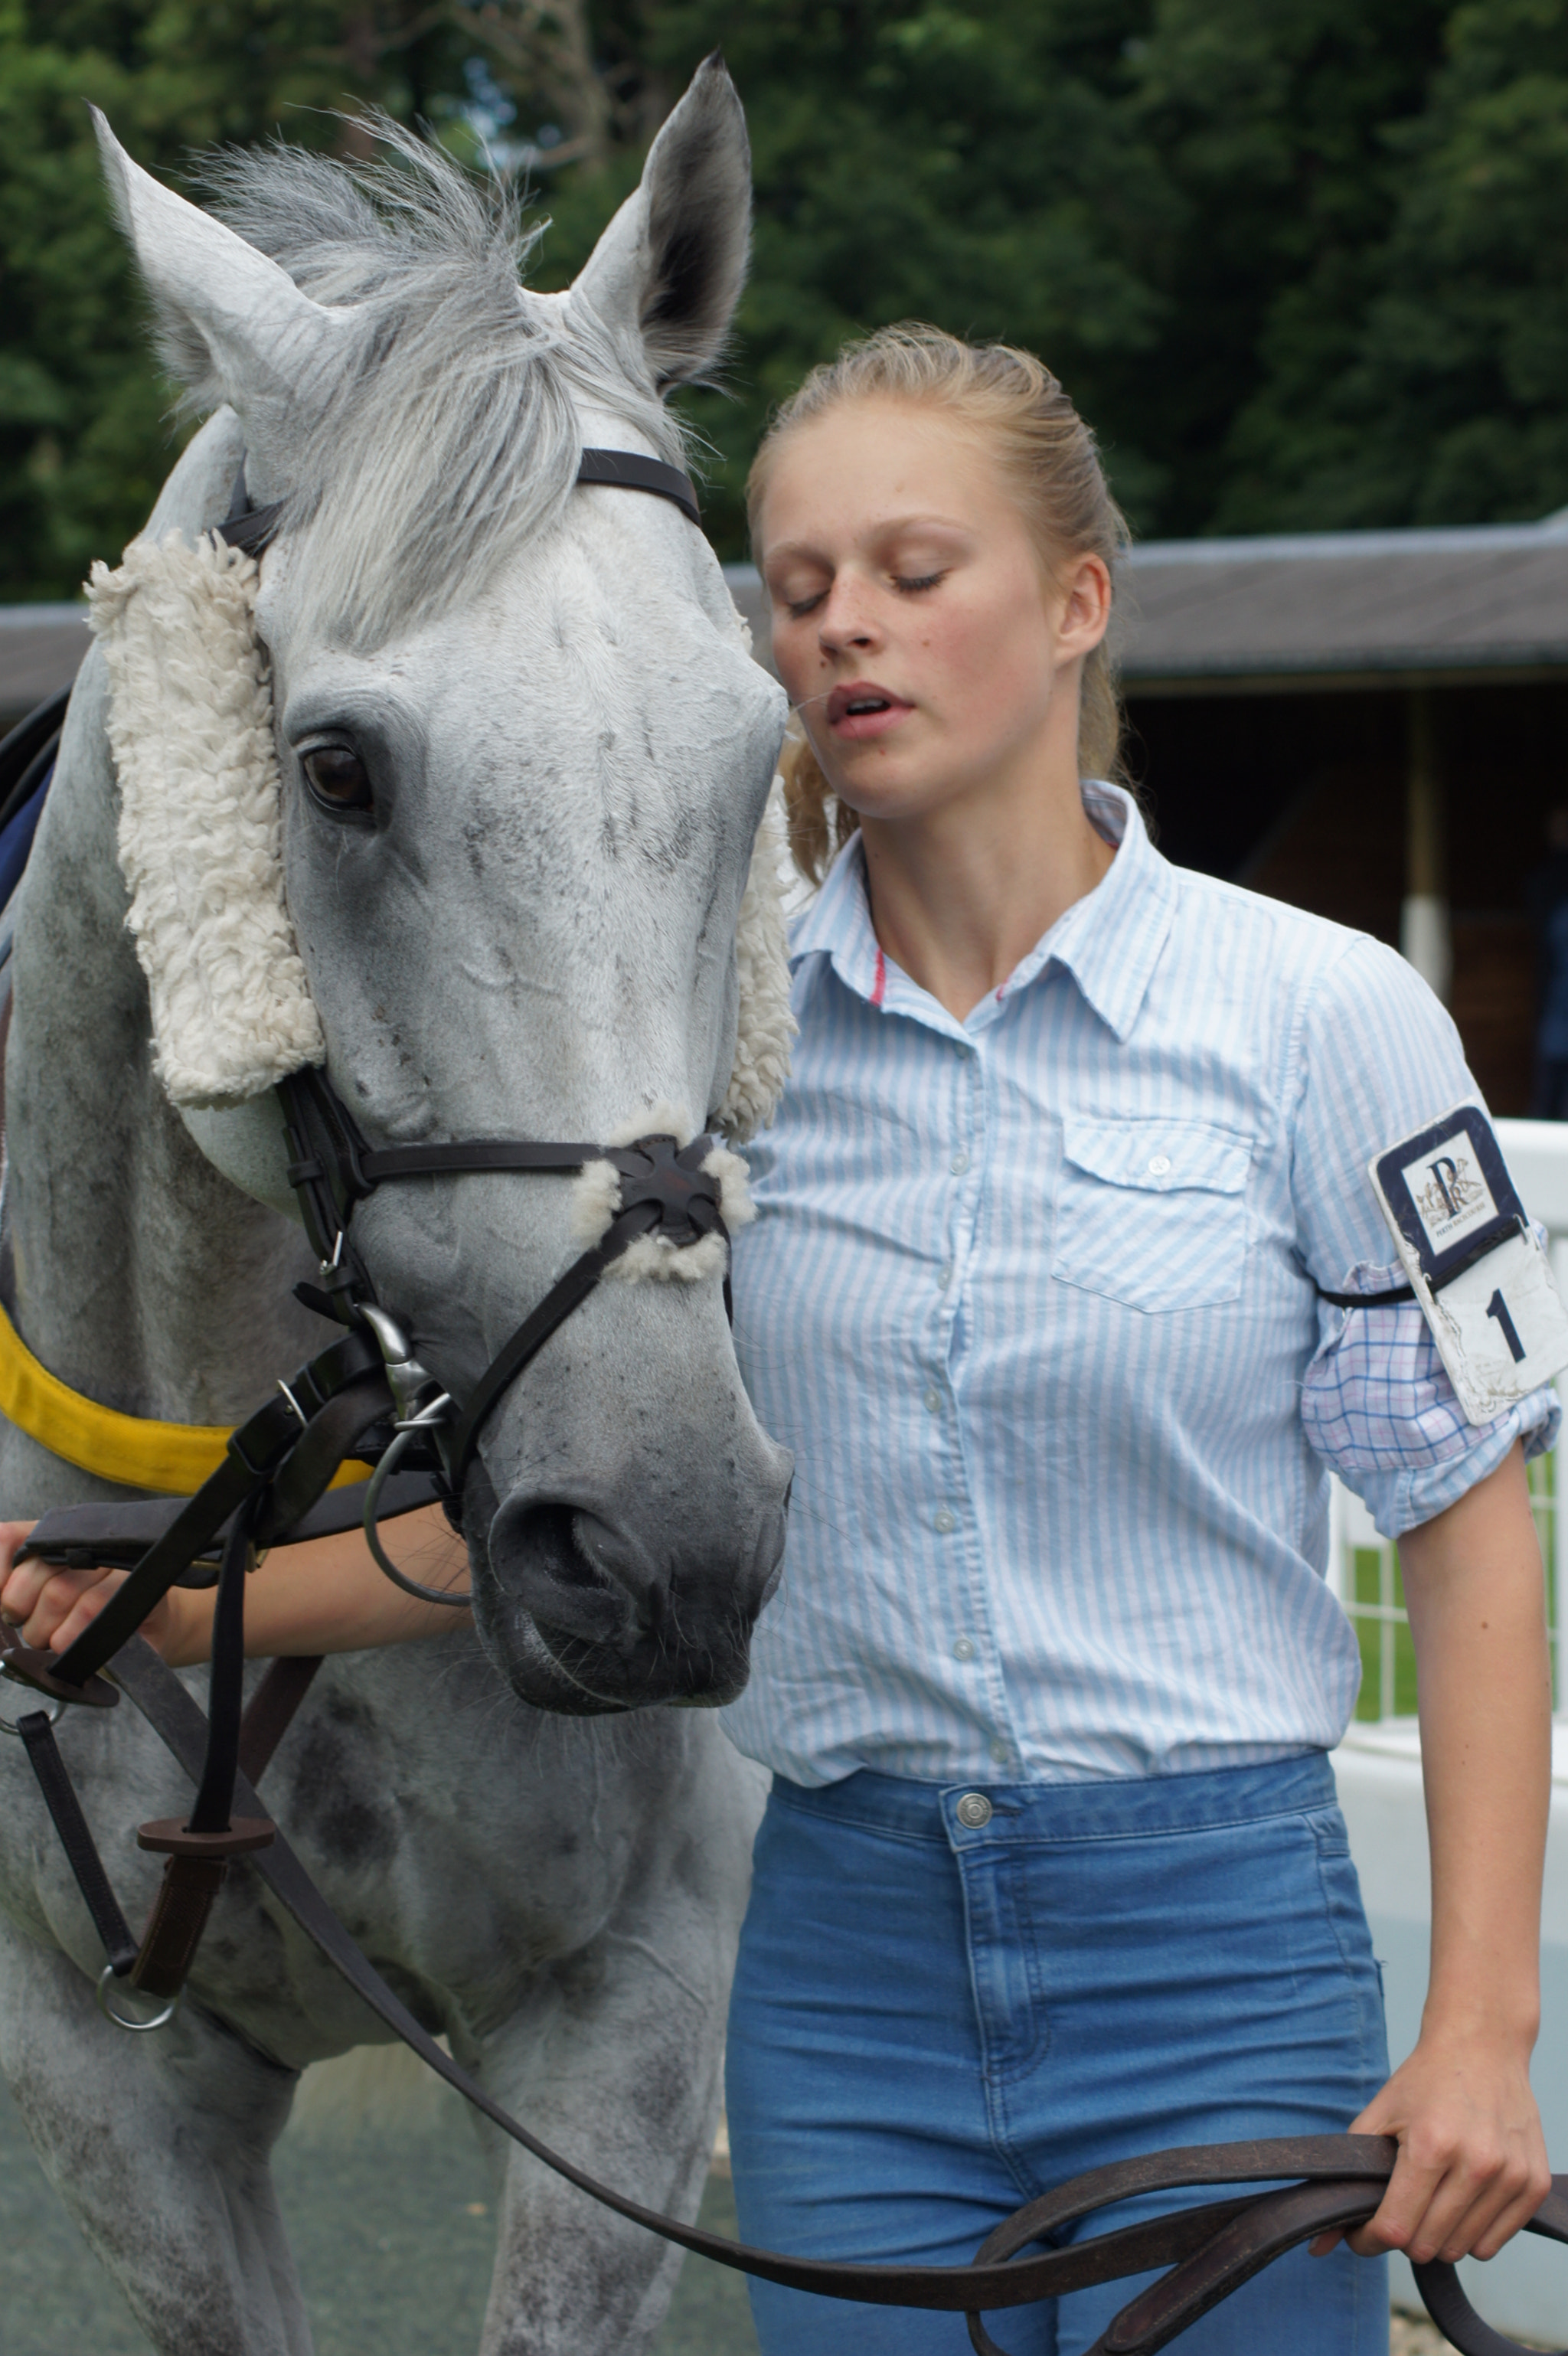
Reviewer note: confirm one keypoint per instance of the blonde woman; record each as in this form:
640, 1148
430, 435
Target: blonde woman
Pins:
1052, 1871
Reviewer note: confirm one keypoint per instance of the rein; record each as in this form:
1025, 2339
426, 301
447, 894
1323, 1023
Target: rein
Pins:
367, 1396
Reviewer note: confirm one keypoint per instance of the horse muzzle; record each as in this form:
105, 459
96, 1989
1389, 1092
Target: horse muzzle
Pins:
587, 1609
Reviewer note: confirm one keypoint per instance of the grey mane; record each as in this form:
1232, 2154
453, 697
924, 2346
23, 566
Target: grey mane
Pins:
452, 434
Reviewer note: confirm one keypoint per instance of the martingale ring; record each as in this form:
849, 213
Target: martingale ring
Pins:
134, 2028
54, 1711
425, 1421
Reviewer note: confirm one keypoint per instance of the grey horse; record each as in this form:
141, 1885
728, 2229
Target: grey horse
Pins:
530, 933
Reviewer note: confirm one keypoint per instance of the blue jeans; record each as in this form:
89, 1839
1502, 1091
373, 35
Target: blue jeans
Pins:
932, 2025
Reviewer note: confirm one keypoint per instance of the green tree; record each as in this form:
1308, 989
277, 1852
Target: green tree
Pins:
1302, 265
85, 431
1440, 393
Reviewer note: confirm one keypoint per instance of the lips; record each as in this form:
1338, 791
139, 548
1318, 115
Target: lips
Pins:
864, 709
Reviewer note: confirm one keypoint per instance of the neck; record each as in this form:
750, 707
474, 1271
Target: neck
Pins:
960, 895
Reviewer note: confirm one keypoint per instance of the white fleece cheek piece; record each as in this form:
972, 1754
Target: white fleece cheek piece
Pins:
766, 1024
190, 727
201, 844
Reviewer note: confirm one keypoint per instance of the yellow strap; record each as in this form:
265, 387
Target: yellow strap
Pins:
172, 1458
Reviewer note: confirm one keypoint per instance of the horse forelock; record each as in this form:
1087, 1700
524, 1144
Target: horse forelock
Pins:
451, 437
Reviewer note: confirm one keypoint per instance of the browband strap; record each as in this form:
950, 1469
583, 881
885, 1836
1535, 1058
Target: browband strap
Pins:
252, 529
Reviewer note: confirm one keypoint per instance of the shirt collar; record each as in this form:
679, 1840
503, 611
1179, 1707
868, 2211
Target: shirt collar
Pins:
1109, 941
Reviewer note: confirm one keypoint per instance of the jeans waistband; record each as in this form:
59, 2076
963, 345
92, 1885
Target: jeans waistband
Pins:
1123, 1807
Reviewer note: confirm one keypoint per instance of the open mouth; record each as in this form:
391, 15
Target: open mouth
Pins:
864, 709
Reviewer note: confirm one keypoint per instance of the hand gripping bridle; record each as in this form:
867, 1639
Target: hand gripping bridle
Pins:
367, 1395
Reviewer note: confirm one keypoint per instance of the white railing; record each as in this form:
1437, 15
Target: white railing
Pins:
1363, 1568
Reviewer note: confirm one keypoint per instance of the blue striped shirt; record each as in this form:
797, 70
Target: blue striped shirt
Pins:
1032, 1297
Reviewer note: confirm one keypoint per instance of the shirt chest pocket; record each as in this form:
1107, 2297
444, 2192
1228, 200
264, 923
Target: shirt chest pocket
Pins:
1152, 1213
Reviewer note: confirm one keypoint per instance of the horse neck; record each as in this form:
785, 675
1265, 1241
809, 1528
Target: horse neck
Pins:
134, 1271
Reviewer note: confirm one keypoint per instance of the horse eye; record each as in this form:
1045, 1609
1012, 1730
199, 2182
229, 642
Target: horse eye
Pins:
338, 778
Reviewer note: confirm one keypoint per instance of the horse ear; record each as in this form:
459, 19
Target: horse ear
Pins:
233, 325
669, 269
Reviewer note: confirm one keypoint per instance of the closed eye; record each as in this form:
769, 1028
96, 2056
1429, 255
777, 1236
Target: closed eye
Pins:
927, 580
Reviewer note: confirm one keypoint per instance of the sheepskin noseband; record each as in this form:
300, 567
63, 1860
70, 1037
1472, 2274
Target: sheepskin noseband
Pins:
190, 728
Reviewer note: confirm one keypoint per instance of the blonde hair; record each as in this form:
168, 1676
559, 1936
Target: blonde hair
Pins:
1046, 452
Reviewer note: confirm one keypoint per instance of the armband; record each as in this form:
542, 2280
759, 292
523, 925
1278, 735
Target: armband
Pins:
1480, 1277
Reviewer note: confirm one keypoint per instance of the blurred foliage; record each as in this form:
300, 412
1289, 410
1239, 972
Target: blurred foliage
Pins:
1303, 265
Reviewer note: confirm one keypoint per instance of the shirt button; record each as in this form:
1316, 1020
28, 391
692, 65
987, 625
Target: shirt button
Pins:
1158, 1164
959, 1164
933, 1402
972, 1810
999, 1756
943, 1523
944, 1278
963, 1650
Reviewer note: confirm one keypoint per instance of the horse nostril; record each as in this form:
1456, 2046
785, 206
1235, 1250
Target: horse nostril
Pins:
538, 1554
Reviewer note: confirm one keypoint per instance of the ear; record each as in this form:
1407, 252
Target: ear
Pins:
233, 325
668, 271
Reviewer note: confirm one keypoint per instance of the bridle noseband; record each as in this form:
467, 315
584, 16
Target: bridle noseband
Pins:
664, 1192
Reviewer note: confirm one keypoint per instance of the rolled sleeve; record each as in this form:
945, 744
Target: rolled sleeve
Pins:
1378, 1408
1381, 1059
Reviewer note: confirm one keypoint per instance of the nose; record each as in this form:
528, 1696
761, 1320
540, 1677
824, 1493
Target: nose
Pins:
845, 618
583, 1574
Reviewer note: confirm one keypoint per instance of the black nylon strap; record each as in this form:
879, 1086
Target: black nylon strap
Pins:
379, 1161
255, 529
214, 1798
82, 1854
1365, 1299
567, 1294
631, 472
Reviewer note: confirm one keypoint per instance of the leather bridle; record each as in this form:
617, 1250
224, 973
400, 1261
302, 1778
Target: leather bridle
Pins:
664, 1190
270, 1488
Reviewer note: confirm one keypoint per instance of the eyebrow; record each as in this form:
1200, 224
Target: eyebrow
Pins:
893, 524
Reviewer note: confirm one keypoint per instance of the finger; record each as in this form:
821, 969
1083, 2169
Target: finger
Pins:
1322, 2244
22, 1588
65, 1615
1411, 2190
56, 1597
1501, 2206
11, 1536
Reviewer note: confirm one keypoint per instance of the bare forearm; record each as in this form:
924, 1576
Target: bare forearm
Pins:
328, 1596
1476, 1596
1472, 2164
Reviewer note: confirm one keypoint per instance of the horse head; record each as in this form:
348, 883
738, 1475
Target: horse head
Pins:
521, 759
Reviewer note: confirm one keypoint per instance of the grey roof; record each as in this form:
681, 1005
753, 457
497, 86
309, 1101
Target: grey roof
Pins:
1491, 597
40, 646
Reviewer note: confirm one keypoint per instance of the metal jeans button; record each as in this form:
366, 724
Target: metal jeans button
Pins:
973, 1810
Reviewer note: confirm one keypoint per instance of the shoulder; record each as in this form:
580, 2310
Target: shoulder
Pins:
1329, 973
